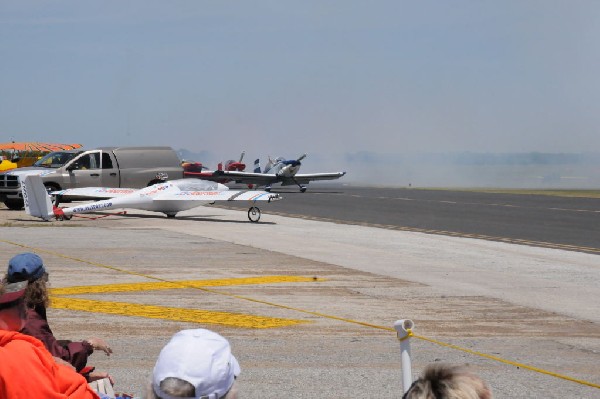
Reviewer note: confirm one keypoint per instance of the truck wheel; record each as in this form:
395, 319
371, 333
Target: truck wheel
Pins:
14, 204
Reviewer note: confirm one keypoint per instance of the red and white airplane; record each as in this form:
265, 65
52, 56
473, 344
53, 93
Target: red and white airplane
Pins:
199, 171
169, 198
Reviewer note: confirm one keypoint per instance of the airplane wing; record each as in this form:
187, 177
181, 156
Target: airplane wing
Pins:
94, 192
205, 174
226, 195
305, 178
243, 177
262, 179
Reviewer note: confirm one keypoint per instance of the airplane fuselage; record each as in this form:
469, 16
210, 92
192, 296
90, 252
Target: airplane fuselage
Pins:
144, 198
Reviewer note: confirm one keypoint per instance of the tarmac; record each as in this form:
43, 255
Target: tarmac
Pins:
309, 306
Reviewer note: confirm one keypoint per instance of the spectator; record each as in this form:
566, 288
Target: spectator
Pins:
195, 364
27, 369
29, 267
443, 381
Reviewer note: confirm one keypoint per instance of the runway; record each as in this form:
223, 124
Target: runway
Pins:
327, 295
542, 220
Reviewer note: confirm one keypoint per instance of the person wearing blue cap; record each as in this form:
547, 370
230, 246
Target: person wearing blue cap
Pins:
30, 267
25, 267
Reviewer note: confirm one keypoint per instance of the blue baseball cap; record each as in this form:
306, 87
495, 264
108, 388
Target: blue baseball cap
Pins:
25, 267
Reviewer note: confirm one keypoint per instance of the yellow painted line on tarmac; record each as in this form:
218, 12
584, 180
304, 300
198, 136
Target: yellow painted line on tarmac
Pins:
170, 285
173, 314
510, 362
203, 316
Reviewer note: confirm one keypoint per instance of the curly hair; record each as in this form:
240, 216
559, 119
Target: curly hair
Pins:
37, 293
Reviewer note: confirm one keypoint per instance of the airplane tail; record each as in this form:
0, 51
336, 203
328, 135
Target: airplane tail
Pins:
36, 198
269, 165
257, 166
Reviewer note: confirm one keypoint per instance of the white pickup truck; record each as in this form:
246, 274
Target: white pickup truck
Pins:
132, 167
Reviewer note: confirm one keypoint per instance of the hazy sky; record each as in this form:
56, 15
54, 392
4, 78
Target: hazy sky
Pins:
287, 77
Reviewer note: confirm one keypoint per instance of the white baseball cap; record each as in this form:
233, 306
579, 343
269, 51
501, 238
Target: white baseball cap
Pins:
201, 357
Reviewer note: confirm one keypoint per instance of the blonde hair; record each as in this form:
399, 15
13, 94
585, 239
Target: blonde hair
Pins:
442, 381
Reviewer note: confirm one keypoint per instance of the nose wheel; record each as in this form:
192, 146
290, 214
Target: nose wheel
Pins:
254, 214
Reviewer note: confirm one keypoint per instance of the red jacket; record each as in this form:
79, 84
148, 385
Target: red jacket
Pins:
28, 371
37, 326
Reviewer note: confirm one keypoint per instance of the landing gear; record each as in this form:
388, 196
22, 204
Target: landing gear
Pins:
254, 214
170, 215
60, 215
302, 188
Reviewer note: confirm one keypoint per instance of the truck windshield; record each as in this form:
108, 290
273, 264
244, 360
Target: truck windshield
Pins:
56, 159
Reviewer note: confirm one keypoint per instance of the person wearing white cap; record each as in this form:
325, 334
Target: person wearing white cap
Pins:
196, 363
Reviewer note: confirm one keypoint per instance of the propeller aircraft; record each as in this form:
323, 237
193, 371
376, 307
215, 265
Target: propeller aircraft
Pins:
276, 170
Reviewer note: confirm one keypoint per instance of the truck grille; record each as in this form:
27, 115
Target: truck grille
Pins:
9, 181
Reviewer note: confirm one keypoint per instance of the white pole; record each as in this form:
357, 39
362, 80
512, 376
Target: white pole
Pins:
404, 331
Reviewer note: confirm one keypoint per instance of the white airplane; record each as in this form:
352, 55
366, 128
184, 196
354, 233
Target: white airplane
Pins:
276, 171
169, 198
